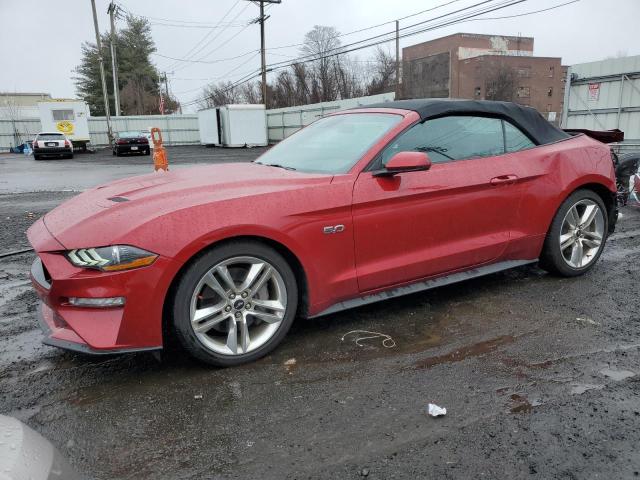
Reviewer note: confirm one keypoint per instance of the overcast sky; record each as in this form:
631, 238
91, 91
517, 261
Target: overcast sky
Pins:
40, 40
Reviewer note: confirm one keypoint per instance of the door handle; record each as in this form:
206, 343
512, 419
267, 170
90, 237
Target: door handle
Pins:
504, 180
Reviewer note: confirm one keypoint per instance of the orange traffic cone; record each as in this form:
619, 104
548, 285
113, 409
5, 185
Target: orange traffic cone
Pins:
160, 161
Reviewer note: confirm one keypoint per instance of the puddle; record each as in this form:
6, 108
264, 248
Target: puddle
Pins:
469, 351
616, 374
580, 388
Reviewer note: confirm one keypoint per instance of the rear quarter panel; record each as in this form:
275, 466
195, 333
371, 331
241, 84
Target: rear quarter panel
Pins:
548, 175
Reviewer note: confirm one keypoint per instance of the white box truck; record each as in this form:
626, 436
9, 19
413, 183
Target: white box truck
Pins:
70, 117
208, 126
243, 126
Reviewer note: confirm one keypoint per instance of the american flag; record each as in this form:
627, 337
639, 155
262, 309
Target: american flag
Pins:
161, 104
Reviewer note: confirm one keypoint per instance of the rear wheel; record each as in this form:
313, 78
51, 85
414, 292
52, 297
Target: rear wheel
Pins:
577, 235
235, 303
36, 157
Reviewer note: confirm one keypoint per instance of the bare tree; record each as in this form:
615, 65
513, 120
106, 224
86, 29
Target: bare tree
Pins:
500, 82
319, 45
384, 73
217, 94
251, 92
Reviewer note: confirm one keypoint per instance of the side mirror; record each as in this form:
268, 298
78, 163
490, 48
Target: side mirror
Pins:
404, 162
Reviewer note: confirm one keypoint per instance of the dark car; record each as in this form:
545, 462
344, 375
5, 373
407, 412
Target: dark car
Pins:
131, 142
52, 144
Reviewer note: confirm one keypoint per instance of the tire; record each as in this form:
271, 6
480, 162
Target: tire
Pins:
572, 260
70, 156
113, 152
214, 343
147, 151
36, 157
118, 153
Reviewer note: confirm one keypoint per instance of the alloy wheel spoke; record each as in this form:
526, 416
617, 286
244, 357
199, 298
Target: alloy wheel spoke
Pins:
266, 317
245, 339
206, 313
223, 271
232, 336
212, 282
576, 254
566, 240
259, 283
209, 324
591, 242
588, 216
573, 219
273, 305
252, 275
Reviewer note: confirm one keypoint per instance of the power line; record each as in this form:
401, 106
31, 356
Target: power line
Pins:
340, 35
341, 50
192, 52
220, 60
526, 13
469, 17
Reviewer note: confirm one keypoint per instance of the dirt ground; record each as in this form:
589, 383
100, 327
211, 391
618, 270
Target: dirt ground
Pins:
540, 375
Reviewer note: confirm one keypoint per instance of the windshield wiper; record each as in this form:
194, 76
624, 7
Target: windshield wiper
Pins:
277, 165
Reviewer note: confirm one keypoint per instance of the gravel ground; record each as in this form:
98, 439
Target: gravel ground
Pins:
540, 376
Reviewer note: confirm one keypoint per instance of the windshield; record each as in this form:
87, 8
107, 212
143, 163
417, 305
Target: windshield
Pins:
332, 144
50, 136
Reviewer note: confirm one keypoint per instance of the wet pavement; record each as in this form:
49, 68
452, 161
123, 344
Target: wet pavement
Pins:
540, 376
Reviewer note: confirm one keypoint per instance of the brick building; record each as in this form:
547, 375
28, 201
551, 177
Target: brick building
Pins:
463, 65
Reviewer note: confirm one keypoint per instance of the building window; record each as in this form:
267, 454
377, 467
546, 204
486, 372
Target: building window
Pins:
523, 92
552, 71
524, 72
59, 115
478, 91
549, 107
550, 92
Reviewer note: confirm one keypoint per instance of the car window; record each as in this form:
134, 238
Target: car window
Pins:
59, 115
451, 138
514, 139
130, 134
332, 144
50, 136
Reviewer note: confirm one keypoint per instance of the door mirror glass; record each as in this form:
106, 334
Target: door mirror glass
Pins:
405, 162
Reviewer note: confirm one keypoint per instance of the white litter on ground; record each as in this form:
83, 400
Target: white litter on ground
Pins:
436, 411
387, 341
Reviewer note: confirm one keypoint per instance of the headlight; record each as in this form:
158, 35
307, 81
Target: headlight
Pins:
111, 259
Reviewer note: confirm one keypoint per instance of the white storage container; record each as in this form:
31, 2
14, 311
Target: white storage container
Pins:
208, 126
70, 117
243, 125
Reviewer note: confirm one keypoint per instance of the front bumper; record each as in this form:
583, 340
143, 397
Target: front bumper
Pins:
134, 327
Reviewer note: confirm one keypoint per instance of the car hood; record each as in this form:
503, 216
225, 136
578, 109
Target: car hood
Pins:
106, 213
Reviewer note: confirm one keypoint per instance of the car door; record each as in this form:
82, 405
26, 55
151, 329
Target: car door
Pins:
455, 215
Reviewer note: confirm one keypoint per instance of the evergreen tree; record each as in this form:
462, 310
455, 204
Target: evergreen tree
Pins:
138, 78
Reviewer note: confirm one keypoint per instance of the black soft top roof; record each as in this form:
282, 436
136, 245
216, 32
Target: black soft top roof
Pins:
526, 118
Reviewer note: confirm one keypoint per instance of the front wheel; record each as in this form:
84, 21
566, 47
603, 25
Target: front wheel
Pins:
577, 235
235, 303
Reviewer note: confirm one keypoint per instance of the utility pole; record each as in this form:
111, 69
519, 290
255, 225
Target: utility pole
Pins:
114, 63
398, 88
261, 20
104, 82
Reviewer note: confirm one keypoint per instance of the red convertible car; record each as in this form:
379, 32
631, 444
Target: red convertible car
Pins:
360, 206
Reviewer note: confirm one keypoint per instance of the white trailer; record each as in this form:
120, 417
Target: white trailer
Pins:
243, 126
605, 95
208, 126
70, 117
